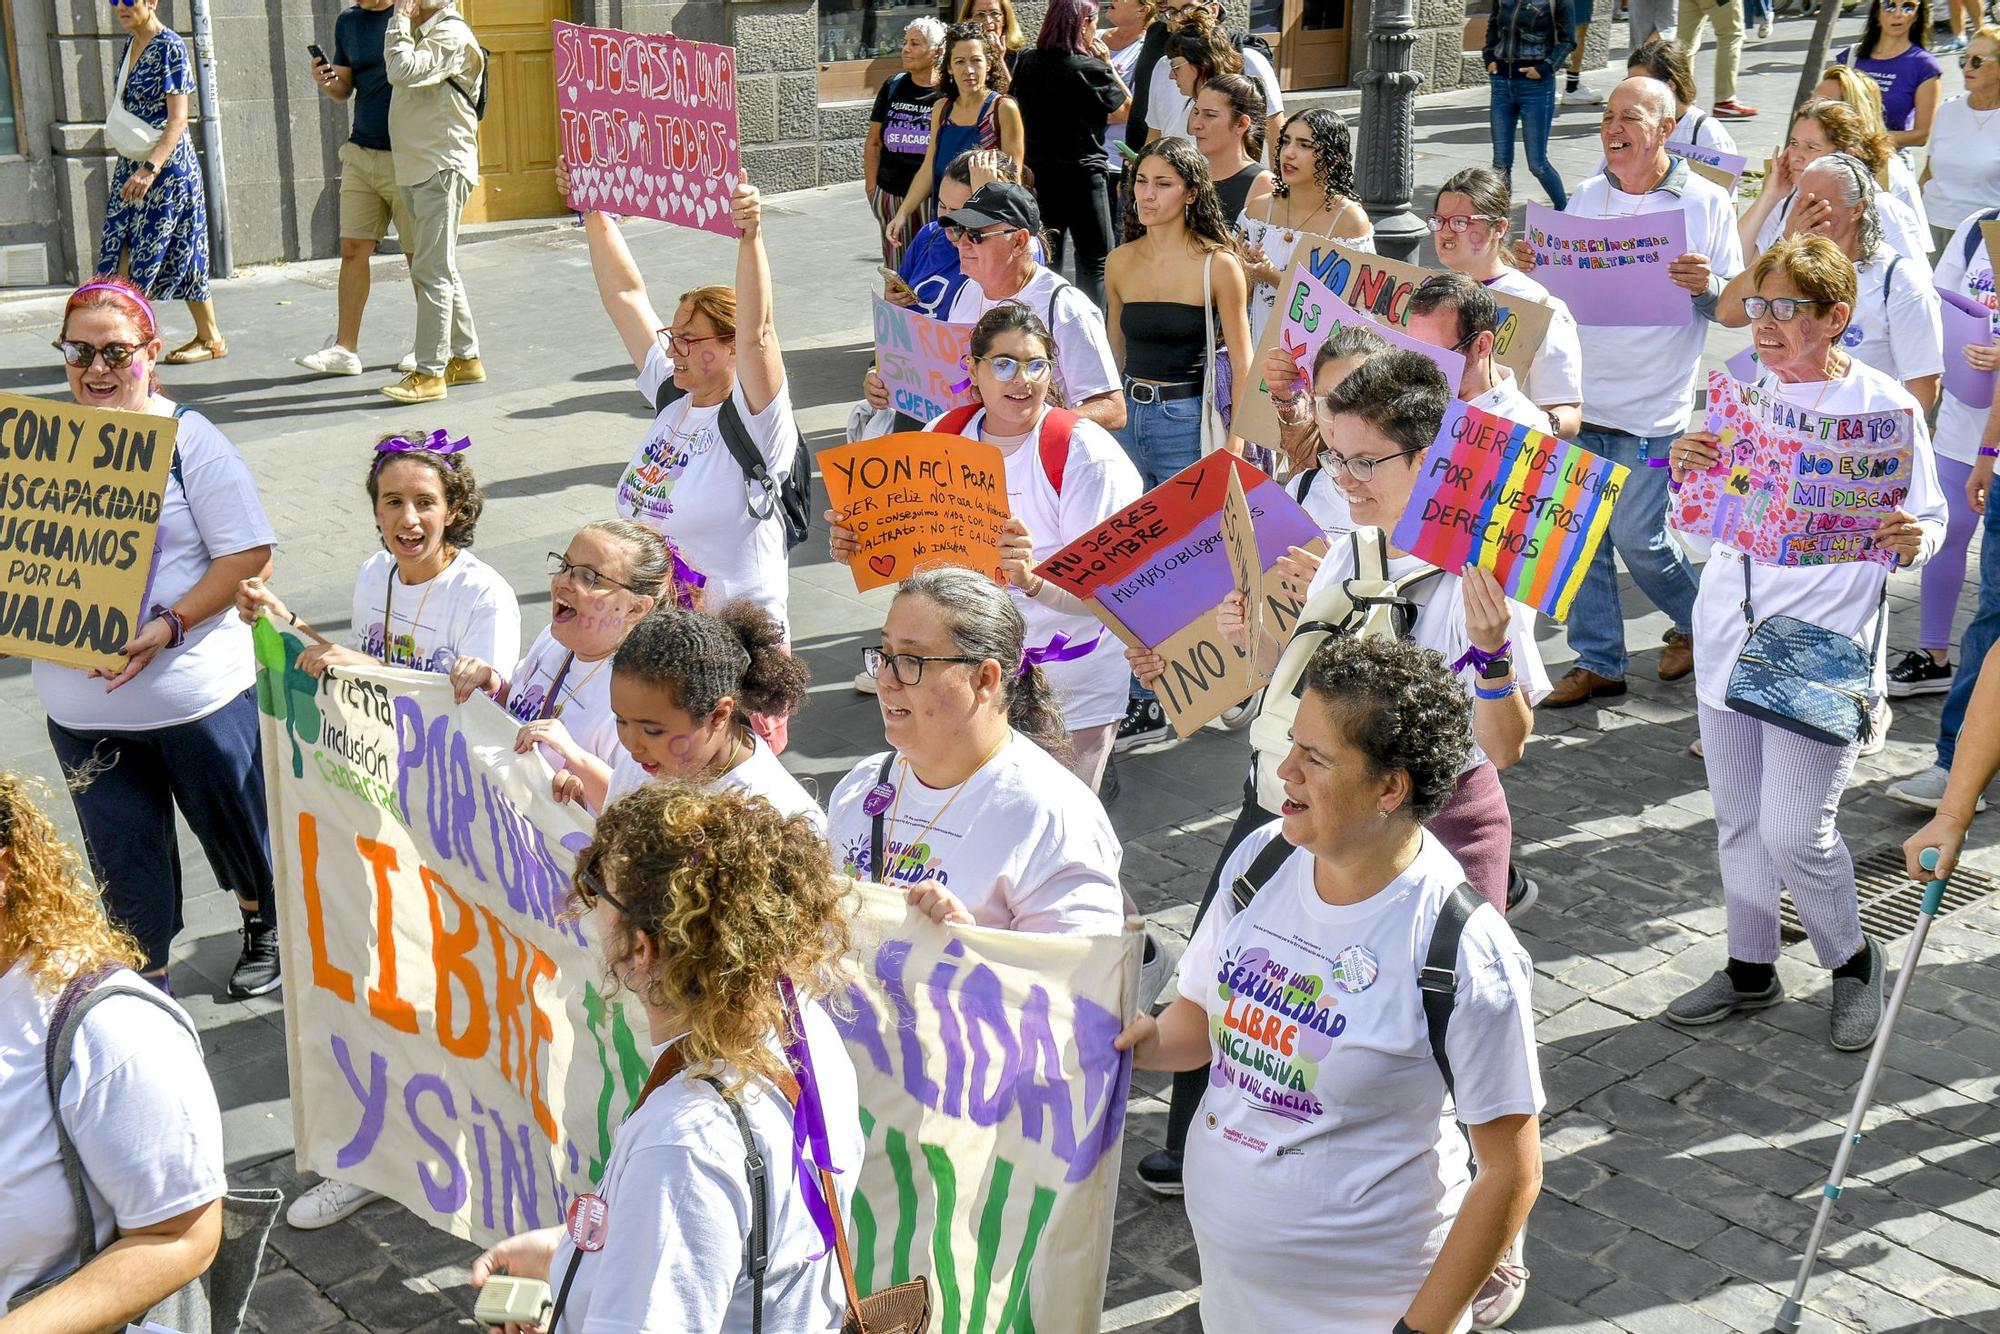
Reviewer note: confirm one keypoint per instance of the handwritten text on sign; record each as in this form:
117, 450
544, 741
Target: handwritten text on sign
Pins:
1725, 169
1311, 311
994, 1105
648, 124
1530, 507
1794, 486
80, 497
917, 500
1612, 271
922, 360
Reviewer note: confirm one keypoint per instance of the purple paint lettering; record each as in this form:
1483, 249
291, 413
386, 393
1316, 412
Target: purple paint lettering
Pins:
984, 1007
517, 1177
939, 987
448, 1197
1106, 1074
485, 1165
861, 1027
374, 1100
890, 960
1042, 1088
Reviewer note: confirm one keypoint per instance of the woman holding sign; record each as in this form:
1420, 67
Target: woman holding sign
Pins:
725, 921
1775, 785
1313, 196
177, 727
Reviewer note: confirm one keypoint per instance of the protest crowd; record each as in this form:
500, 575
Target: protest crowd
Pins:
1212, 444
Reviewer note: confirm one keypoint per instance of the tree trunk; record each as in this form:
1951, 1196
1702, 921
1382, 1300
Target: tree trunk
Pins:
1816, 54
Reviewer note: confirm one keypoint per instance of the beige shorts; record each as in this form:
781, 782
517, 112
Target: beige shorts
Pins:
369, 200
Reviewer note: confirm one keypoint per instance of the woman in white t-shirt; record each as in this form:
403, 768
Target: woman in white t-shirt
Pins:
1469, 232
136, 1102
971, 810
1962, 159
683, 687
177, 727
1313, 195
1777, 792
1818, 128
719, 355
680, 881
613, 573
1327, 1184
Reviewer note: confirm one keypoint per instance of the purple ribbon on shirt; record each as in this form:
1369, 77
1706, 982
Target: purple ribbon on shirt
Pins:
808, 1120
437, 442
1058, 649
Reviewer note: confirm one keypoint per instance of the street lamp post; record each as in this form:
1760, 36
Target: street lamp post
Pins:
1388, 115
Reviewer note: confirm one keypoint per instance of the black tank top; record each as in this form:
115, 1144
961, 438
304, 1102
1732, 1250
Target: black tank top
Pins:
1164, 340
1233, 193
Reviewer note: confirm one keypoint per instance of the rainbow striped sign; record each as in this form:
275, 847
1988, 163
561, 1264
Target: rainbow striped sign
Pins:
1529, 506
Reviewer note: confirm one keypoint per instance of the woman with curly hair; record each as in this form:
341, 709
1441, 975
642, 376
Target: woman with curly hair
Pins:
1820, 127
136, 1104
723, 918
974, 112
1312, 196
1327, 1124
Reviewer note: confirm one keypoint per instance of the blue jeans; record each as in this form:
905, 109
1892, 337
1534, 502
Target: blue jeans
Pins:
1534, 102
1639, 534
1753, 10
213, 771
1978, 638
1162, 437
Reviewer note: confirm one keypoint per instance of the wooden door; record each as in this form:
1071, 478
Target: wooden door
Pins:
1316, 43
519, 141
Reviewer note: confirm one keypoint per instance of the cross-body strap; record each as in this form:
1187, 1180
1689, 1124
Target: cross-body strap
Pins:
1889, 276
1265, 865
1058, 431
1438, 980
789, 1086
758, 1257
875, 866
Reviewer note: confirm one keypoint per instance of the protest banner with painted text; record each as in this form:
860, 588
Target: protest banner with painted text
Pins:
648, 124
80, 497
1529, 506
918, 500
1612, 271
993, 1104
1794, 486
923, 361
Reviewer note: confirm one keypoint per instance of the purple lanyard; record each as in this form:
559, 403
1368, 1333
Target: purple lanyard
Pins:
808, 1120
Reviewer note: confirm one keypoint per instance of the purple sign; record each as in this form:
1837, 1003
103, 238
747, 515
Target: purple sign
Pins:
1314, 311
1966, 324
1612, 271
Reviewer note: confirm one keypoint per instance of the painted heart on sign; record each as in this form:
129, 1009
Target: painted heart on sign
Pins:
572, 91
882, 565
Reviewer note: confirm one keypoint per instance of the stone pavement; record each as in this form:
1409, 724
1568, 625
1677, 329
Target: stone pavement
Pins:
1682, 1170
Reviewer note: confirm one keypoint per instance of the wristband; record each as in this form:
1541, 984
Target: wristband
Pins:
1989, 452
1500, 693
176, 627
1480, 658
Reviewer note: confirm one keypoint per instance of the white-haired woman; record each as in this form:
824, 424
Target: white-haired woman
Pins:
899, 130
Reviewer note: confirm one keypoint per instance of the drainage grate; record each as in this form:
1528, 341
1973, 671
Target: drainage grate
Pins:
1890, 900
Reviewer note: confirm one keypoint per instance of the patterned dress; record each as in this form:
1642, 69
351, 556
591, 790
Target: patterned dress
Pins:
167, 231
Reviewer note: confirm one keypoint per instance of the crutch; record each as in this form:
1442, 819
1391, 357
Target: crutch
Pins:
1788, 1314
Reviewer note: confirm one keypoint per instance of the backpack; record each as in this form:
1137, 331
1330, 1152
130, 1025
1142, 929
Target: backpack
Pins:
1057, 428
475, 102
1437, 980
791, 499
1253, 42
1370, 605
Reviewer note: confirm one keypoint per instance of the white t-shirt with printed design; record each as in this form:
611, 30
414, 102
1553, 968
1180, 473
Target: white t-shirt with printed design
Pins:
762, 775
1959, 423
1896, 326
683, 483
467, 611
1900, 229
1084, 365
1024, 844
583, 702
1324, 1169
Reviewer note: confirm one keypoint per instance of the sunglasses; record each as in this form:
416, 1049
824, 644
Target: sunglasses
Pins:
1969, 63
1034, 369
583, 576
590, 886
117, 356
956, 234
1458, 222
1899, 7
1784, 309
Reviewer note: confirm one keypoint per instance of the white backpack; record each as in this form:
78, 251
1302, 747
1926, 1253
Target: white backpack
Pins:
1370, 605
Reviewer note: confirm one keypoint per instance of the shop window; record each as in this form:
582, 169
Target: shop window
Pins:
861, 44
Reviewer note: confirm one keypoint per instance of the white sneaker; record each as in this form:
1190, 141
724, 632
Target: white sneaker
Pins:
333, 359
408, 363
326, 1204
1764, 27
1926, 789
1583, 95
864, 683
1878, 735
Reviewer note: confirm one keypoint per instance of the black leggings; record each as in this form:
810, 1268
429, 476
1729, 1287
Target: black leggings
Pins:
1074, 202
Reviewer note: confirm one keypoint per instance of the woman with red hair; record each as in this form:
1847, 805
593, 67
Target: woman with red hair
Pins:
176, 727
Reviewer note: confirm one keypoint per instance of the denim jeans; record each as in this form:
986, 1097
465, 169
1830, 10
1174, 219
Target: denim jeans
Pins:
1533, 101
1639, 534
1754, 11
1162, 437
1978, 638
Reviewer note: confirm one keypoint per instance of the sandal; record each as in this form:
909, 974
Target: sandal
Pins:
195, 350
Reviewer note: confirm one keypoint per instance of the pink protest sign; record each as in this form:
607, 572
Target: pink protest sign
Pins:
923, 361
648, 125
1794, 486
1612, 271
1312, 311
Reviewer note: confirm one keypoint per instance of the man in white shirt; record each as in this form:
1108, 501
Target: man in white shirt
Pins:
1450, 310
1638, 382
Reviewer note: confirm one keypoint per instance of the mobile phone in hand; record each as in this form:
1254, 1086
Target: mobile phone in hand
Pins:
894, 280
1131, 153
319, 56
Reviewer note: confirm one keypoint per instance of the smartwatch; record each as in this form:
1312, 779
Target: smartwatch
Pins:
1497, 668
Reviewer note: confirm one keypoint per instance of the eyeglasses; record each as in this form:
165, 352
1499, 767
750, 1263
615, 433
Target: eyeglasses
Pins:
1360, 469
590, 886
679, 345
1784, 309
956, 234
583, 576
1034, 369
907, 668
1458, 222
117, 356
1969, 63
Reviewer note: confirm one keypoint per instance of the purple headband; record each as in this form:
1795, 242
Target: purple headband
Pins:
437, 442
1058, 649
123, 291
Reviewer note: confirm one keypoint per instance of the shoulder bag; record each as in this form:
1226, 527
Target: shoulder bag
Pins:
131, 137
1805, 678
1214, 433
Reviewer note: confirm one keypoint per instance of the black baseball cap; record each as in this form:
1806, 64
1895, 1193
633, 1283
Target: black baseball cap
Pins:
998, 201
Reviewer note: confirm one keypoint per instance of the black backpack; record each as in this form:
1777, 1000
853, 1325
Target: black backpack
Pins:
1250, 41
476, 101
792, 498
1438, 979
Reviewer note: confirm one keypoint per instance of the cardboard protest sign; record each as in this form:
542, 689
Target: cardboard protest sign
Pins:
1612, 271
80, 496
1530, 507
1725, 169
922, 360
1155, 572
1744, 366
1379, 288
1966, 324
448, 1041
1246, 567
917, 500
1991, 232
1315, 311
1795, 486
648, 123
993, 1105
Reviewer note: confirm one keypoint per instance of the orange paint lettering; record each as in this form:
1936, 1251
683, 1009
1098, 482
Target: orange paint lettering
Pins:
451, 951
324, 975
385, 1002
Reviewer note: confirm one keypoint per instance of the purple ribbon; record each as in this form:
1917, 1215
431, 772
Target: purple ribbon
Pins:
808, 1120
1479, 657
437, 442
1058, 649
686, 579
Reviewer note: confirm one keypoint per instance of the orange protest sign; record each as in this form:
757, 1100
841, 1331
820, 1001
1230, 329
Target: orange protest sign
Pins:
917, 500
